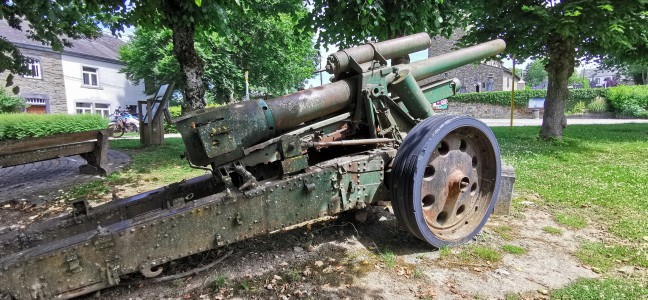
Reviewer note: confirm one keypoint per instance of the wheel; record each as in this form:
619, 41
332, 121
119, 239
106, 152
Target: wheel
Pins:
118, 131
132, 127
446, 178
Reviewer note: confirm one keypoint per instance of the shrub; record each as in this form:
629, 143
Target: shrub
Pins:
522, 97
175, 112
598, 105
629, 100
10, 103
18, 126
578, 108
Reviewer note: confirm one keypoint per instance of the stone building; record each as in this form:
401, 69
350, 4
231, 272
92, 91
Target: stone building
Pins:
84, 78
482, 77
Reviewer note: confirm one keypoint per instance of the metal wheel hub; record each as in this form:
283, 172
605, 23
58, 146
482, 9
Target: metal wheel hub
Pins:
448, 176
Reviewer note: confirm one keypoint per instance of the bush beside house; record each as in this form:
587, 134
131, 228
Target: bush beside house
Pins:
18, 126
10, 103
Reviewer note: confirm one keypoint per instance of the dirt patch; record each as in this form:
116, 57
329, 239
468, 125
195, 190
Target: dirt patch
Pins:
338, 259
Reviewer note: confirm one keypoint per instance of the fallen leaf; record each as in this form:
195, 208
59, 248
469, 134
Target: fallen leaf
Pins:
319, 263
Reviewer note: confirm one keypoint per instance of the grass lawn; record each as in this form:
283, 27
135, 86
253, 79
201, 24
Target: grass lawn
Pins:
151, 167
598, 175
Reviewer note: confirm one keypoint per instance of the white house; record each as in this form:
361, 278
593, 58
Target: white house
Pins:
83, 78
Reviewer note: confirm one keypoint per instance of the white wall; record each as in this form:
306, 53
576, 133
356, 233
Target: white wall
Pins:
113, 89
507, 76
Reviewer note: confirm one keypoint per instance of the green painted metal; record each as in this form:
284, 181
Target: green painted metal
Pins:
452, 60
412, 96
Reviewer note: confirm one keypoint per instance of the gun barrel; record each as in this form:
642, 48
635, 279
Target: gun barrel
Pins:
452, 60
339, 62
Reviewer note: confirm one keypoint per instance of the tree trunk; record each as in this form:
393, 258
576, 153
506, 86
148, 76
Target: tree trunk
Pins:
560, 66
191, 65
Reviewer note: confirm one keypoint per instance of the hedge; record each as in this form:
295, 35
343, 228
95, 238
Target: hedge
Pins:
522, 97
629, 100
175, 112
18, 126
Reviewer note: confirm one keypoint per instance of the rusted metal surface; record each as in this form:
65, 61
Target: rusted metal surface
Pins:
94, 259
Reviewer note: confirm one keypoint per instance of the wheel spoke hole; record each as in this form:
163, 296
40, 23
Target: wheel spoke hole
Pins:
442, 217
473, 188
474, 161
463, 145
428, 201
464, 184
476, 208
443, 148
461, 209
429, 172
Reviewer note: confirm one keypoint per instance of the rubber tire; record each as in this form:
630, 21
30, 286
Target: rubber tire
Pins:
118, 132
409, 165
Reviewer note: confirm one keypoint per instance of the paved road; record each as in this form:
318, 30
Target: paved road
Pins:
538, 122
40, 181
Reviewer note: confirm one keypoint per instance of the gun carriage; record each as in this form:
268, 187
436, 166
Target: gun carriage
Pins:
370, 135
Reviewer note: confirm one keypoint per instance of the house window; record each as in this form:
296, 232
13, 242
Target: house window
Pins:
90, 76
34, 68
102, 109
83, 108
507, 82
93, 108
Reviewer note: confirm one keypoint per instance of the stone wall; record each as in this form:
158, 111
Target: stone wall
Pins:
481, 110
51, 85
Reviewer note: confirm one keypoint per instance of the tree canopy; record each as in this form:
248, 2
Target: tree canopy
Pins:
53, 23
535, 73
561, 32
277, 59
347, 23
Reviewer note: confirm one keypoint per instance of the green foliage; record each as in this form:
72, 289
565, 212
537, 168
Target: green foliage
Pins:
517, 250
175, 112
347, 23
598, 105
522, 97
601, 289
629, 100
277, 59
18, 126
575, 78
220, 281
534, 28
10, 103
483, 253
571, 220
605, 257
53, 23
552, 230
535, 73
444, 252
579, 108
389, 258
562, 32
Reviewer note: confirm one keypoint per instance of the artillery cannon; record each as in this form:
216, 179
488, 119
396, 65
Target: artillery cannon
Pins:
368, 136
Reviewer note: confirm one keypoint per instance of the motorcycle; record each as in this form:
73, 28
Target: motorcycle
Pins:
121, 121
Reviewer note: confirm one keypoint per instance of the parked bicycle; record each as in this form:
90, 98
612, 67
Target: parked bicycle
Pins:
122, 121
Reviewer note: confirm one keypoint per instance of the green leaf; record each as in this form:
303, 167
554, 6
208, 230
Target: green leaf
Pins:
199, 2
